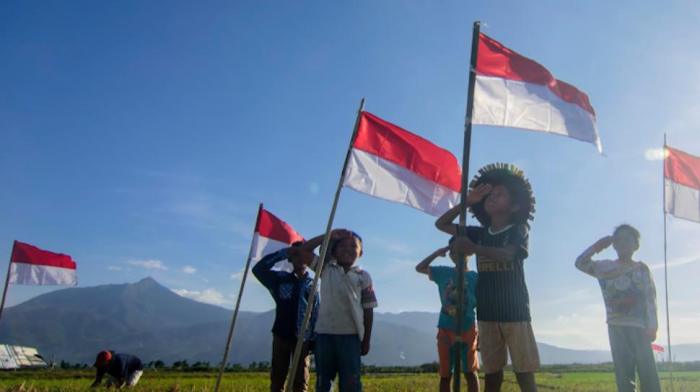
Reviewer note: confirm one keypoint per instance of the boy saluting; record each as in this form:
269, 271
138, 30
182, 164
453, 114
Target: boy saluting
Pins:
501, 200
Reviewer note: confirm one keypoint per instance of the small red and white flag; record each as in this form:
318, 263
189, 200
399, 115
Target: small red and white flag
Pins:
393, 164
682, 184
271, 235
33, 266
514, 91
657, 348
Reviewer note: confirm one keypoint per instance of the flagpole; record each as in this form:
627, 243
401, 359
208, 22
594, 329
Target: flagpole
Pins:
222, 367
322, 258
7, 280
457, 380
668, 318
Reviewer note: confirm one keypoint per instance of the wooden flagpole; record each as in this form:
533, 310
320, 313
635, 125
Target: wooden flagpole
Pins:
324, 249
461, 258
222, 367
668, 318
7, 280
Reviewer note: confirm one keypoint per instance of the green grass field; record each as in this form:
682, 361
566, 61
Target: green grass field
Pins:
170, 381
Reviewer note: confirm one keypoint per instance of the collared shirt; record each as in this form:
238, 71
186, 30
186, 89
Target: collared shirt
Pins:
344, 296
290, 293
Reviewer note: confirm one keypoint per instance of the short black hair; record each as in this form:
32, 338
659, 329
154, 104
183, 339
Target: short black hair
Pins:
630, 229
334, 245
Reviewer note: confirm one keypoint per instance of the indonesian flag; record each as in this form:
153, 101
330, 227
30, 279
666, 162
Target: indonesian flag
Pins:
514, 91
33, 266
657, 348
394, 164
682, 184
271, 235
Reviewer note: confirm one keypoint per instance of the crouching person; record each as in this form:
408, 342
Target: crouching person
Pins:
122, 369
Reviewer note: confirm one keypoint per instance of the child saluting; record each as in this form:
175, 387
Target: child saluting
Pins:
630, 304
501, 200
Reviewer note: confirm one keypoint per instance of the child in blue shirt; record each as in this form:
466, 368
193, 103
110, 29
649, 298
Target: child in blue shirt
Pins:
446, 279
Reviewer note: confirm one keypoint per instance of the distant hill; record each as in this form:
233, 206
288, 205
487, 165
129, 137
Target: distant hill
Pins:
151, 321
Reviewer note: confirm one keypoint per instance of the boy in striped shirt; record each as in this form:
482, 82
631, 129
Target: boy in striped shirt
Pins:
501, 200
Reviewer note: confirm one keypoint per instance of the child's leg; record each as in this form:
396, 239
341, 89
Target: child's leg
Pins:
623, 358
494, 355
524, 355
349, 353
445, 339
280, 363
470, 360
646, 365
326, 362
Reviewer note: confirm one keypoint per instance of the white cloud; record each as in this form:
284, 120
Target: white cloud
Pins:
209, 296
148, 264
654, 154
188, 269
676, 262
114, 268
314, 188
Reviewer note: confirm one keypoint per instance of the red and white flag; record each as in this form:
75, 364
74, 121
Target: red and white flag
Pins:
271, 235
512, 90
657, 348
33, 266
682, 184
396, 165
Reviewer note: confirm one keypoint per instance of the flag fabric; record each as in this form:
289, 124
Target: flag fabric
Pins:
514, 91
33, 266
393, 164
271, 235
682, 184
657, 348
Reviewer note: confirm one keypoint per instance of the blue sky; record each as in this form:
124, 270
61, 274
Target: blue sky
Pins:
139, 137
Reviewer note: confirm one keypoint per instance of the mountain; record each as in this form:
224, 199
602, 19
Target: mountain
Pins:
151, 321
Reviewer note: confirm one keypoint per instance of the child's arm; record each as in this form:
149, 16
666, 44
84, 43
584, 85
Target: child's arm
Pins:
263, 268
444, 222
368, 320
652, 320
309, 246
422, 267
369, 301
466, 246
584, 262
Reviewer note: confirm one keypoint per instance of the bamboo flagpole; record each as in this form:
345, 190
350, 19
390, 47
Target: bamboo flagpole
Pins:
7, 280
222, 367
457, 380
668, 318
324, 248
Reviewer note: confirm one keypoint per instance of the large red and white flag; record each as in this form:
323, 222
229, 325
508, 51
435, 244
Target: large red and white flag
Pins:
512, 90
682, 184
394, 164
33, 266
271, 235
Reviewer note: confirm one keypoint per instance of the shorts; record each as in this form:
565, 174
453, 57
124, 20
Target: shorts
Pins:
497, 340
447, 351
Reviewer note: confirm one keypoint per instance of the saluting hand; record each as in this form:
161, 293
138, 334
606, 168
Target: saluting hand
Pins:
477, 194
603, 243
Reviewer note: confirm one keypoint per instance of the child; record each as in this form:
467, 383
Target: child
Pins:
290, 290
630, 303
344, 325
446, 278
501, 200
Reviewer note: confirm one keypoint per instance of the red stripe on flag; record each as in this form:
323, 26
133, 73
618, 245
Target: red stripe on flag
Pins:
270, 226
657, 348
408, 150
682, 168
30, 254
496, 60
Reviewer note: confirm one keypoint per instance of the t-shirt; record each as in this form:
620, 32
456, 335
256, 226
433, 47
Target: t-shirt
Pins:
344, 296
446, 280
628, 291
501, 292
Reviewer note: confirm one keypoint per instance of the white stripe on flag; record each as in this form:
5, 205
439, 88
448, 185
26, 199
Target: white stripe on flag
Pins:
263, 246
368, 173
682, 201
510, 103
33, 274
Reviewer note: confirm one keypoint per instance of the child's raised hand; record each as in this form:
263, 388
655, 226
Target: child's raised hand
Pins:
442, 252
603, 243
477, 194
